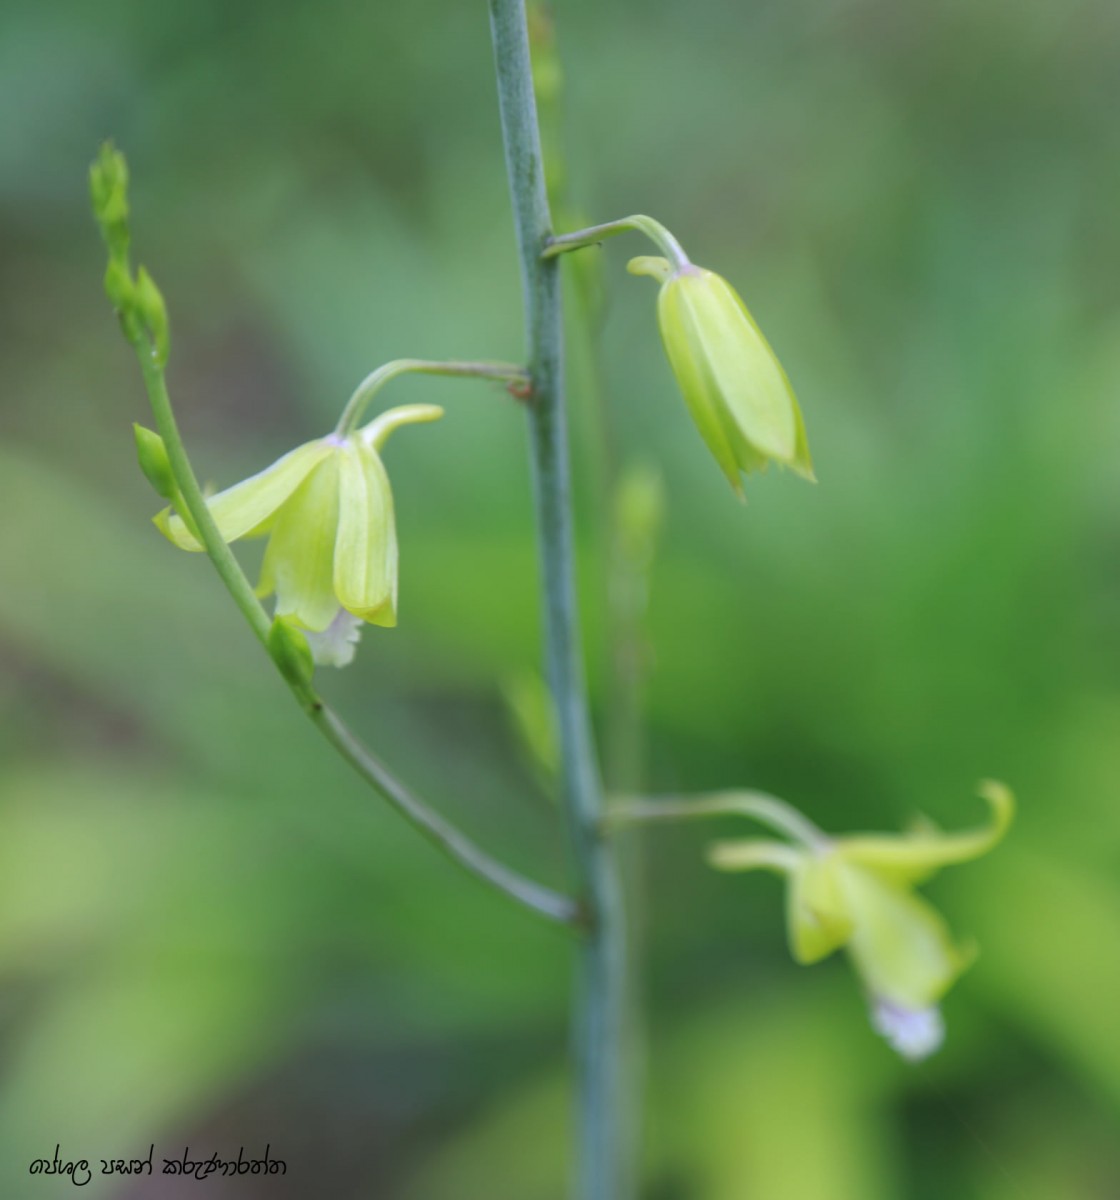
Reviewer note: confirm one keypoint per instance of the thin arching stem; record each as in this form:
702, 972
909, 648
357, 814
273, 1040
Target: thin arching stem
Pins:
508, 373
438, 830
769, 810
654, 230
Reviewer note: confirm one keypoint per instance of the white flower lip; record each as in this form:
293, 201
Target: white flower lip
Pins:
914, 1033
335, 645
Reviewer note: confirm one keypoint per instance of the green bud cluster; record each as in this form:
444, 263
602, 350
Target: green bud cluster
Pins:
138, 302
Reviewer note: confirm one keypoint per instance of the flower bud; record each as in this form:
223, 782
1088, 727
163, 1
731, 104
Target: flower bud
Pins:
734, 386
150, 305
152, 455
287, 644
108, 188
119, 286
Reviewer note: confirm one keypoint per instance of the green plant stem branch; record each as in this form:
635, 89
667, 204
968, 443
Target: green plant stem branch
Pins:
628, 811
508, 373
670, 247
451, 841
601, 1000
220, 554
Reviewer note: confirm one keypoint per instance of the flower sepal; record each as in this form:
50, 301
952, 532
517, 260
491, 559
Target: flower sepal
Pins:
151, 453
289, 650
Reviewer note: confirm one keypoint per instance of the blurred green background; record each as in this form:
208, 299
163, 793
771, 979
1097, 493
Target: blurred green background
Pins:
210, 934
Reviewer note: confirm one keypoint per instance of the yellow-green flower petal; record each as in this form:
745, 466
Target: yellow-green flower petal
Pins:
740, 360
914, 857
247, 508
365, 556
700, 390
817, 909
299, 560
817, 917
899, 944
742, 379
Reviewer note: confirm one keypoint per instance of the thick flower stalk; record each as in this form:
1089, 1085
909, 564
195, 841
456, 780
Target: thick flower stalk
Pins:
857, 893
327, 511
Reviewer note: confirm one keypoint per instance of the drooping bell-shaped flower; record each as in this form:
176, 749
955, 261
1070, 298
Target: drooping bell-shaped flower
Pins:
858, 893
735, 388
327, 511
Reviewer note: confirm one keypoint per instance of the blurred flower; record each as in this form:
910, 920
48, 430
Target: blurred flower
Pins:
734, 386
857, 893
327, 510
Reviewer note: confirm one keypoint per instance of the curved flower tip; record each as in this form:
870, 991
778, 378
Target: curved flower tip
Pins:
857, 893
327, 510
733, 383
916, 856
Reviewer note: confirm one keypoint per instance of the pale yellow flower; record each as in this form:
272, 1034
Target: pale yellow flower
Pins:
857, 892
327, 511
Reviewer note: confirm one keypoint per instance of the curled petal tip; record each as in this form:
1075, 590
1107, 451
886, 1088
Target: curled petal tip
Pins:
378, 431
1000, 797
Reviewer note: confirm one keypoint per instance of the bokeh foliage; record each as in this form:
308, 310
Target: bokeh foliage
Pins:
210, 934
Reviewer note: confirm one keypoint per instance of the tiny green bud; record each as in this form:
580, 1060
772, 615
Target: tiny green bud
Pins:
108, 186
119, 285
108, 182
152, 455
287, 644
153, 312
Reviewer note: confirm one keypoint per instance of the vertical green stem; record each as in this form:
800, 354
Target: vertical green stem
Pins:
601, 996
